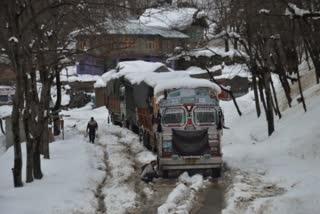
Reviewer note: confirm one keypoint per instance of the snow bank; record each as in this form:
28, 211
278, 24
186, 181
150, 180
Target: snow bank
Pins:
65, 98
181, 198
65, 187
278, 173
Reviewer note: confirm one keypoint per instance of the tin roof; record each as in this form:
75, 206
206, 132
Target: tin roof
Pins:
130, 27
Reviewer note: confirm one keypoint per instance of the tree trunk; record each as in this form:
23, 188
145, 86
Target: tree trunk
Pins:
301, 91
29, 170
37, 160
44, 103
17, 102
256, 94
226, 45
28, 126
261, 93
45, 141
269, 110
277, 110
17, 168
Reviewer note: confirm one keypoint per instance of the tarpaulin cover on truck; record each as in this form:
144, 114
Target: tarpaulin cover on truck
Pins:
190, 142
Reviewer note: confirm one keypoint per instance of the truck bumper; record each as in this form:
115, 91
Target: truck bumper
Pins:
190, 163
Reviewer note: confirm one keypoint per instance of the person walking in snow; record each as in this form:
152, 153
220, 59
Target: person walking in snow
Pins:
92, 127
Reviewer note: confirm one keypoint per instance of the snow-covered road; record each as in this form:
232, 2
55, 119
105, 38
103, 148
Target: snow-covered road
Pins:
96, 178
274, 174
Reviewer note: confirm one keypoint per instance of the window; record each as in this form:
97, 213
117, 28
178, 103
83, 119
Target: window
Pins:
151, 45
128, 42
4, 98
174, 116
83, 45
204, 115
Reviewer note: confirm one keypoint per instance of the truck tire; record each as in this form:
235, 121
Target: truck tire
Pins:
146, 140
216, 172
154, 145
165, 173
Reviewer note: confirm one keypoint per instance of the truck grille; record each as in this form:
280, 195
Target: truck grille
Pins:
190, 142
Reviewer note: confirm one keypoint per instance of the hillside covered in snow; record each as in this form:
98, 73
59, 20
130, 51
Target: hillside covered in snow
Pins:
276, 174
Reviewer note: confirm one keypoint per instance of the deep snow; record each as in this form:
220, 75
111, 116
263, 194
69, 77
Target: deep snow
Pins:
278, 173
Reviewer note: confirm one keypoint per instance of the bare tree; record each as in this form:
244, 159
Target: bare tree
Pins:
36, 37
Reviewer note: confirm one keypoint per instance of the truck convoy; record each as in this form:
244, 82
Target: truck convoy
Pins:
176, 116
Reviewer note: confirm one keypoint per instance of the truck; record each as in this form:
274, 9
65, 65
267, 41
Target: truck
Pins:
182, 123
189, 132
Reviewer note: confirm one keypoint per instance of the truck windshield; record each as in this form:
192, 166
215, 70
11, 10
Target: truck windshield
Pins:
173, 116
204, 115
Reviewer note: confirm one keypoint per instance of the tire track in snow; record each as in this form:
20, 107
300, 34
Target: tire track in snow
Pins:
100, 196
249, 191
119, 191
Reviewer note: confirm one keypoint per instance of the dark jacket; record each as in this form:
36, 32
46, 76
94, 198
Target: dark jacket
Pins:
92, 126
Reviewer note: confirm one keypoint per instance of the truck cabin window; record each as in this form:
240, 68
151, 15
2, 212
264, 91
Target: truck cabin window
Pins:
204, 116
173, 116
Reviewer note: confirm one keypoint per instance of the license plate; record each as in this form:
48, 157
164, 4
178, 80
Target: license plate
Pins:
191, 161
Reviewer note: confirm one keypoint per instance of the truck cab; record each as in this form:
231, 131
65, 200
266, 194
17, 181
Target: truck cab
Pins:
191, 123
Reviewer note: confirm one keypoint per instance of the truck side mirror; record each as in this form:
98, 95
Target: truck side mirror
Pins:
220, 121
159, 126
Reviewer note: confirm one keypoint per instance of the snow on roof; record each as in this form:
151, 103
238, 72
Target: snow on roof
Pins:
209, 52
134, 71
4, 59
139, 71
228, 71
212, 51
74, 77
133, 27
70, 70
176, 18
294, 10
83, 78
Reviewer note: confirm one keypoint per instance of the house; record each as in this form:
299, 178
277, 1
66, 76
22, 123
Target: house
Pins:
190, 21
7, 75
234, 77
6, 95
228, 68
131, 40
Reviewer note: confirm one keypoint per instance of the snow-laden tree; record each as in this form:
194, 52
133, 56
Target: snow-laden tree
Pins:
275, 36
35, 35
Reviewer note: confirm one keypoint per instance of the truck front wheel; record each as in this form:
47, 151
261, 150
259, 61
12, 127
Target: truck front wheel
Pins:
165, 173
216, 173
